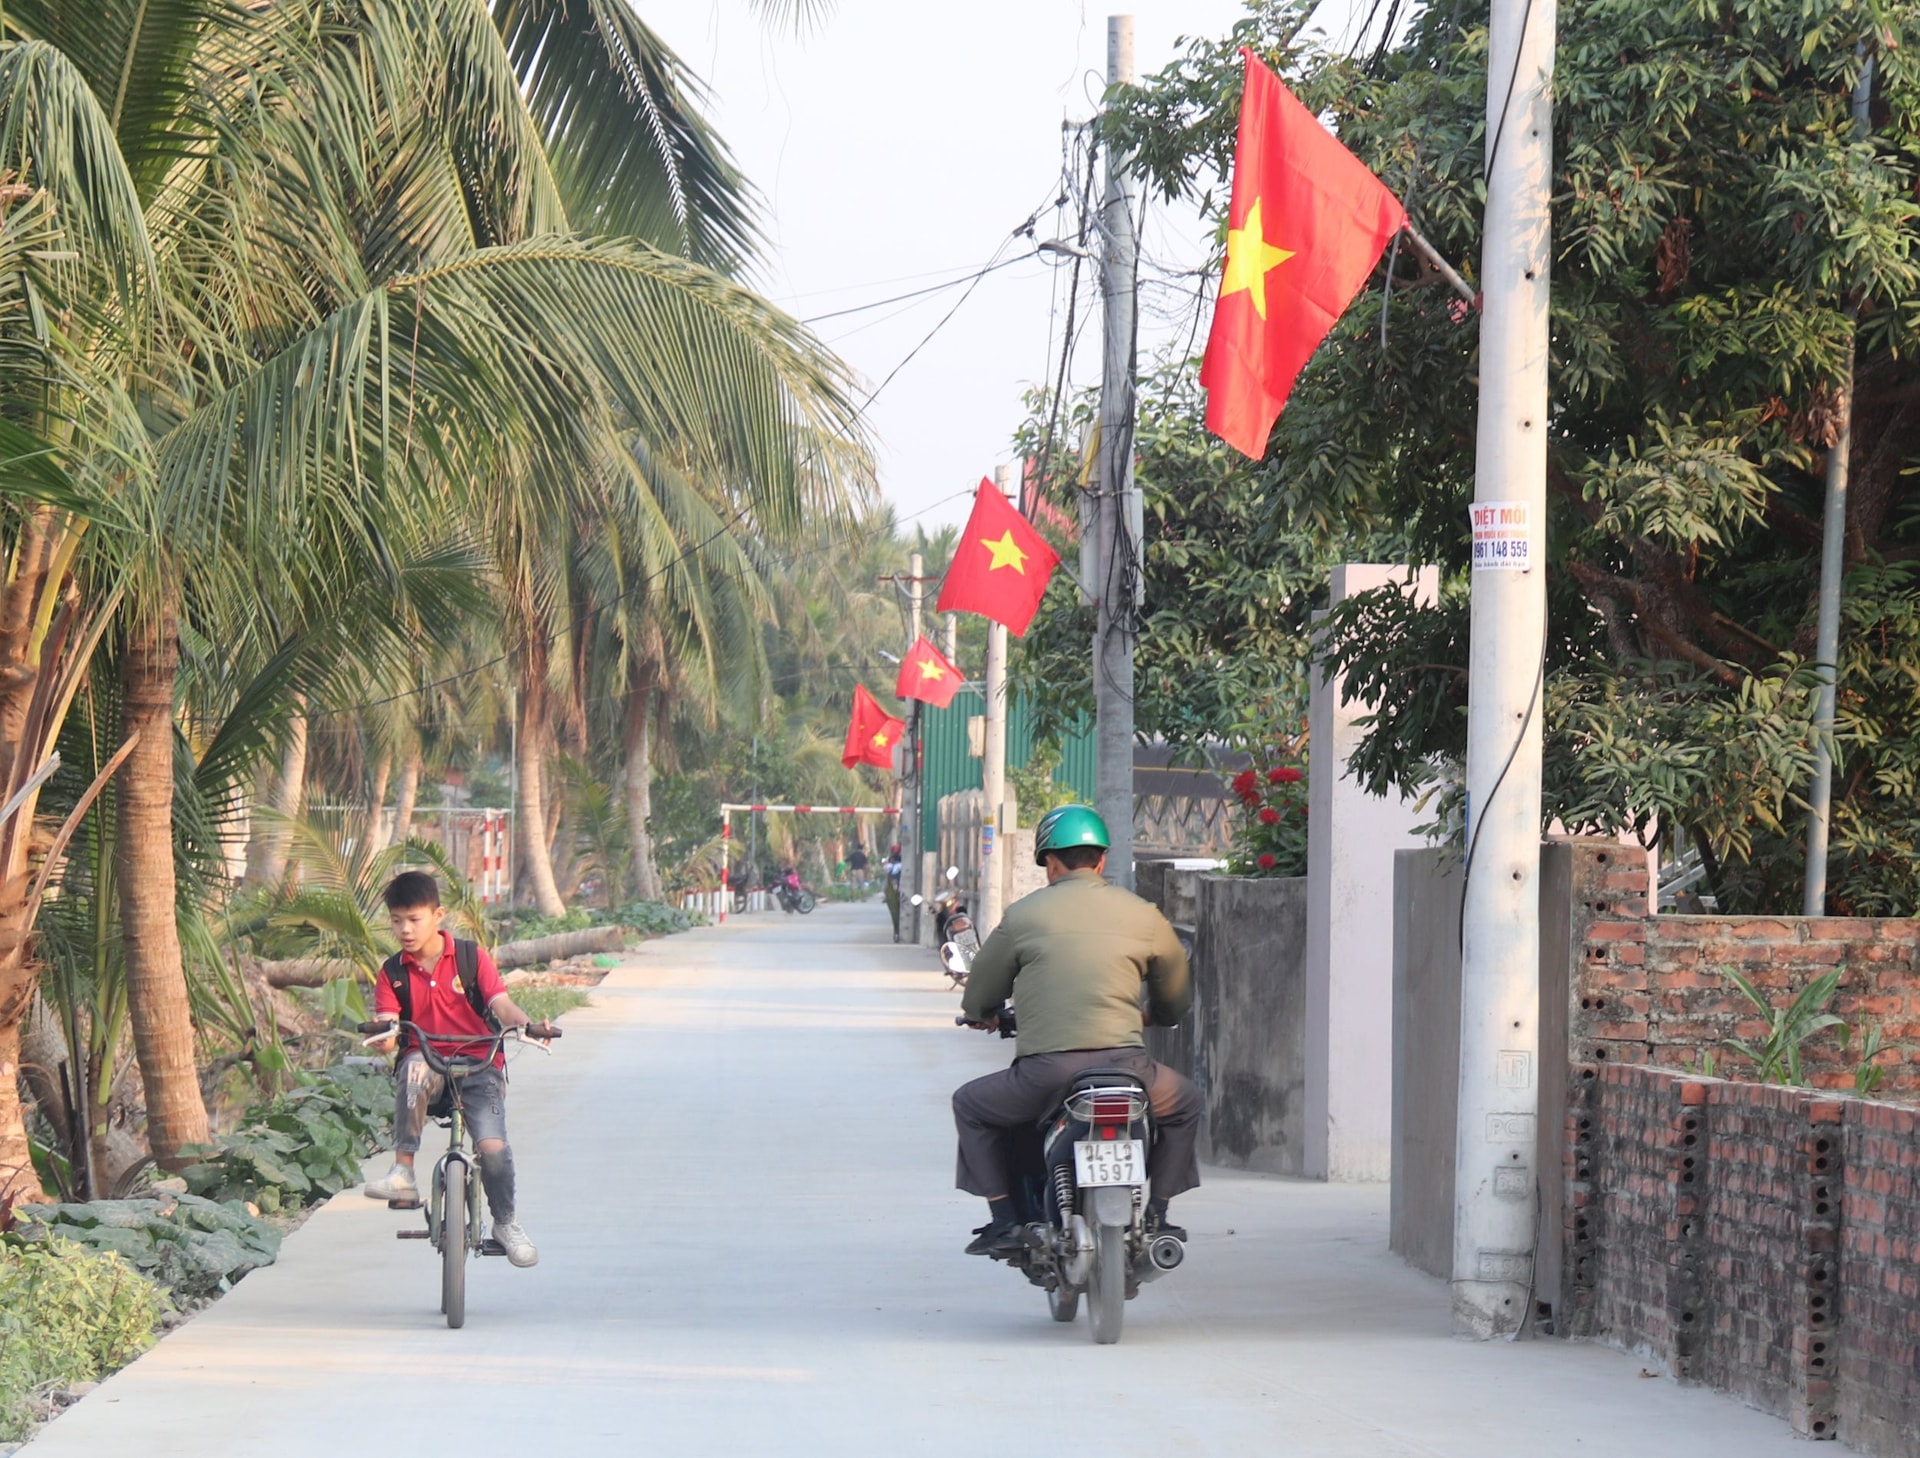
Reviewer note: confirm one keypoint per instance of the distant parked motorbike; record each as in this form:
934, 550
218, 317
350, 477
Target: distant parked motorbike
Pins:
794, 898
953, 927
1080, 1189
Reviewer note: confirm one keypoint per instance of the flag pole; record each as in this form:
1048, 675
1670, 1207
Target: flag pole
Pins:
1440, 265
1496, 1177
993, 760
1116, 581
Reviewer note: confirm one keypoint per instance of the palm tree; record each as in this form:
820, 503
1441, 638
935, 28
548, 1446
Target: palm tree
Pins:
318, 286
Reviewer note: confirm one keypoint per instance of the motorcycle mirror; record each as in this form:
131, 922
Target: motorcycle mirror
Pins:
951, 957
953, 873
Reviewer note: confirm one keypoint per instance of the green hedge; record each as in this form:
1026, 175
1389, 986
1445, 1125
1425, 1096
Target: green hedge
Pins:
66, 1315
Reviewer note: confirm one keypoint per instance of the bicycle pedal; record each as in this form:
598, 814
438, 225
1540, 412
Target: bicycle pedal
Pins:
403, 1204
409, 1235
492, 1247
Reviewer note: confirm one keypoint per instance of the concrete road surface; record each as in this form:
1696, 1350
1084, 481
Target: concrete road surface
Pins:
738, 1167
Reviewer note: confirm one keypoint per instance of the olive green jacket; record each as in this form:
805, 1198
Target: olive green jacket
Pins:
1073, 956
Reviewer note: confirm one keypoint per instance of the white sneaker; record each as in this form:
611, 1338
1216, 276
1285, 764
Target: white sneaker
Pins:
520, 1250
398, 1185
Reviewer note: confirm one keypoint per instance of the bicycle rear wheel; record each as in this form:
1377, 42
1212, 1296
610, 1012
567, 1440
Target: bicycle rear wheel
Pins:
453, 1246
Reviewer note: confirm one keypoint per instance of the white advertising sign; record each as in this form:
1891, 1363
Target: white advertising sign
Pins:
1502, 536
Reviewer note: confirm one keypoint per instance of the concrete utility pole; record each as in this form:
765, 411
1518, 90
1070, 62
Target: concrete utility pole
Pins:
993, 757
1833, 567
1494, 1151
1117, 552
910, 831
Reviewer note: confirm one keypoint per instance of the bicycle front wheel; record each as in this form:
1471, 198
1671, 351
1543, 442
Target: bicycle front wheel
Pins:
453, 1246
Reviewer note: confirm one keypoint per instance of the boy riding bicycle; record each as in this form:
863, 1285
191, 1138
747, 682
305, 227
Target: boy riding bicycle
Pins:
446, 986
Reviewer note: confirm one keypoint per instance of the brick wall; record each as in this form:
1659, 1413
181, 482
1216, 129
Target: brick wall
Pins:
1652, 989
1761, 1240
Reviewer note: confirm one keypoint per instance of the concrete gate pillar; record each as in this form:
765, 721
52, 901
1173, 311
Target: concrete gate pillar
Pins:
1351, 838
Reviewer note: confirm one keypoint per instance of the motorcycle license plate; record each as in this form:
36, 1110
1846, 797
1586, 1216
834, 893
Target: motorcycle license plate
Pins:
1110, 1162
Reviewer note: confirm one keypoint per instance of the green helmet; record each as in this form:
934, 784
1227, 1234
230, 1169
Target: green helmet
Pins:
1068, 826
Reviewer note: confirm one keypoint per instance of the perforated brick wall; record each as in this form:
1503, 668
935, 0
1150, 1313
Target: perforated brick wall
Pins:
1761, 1240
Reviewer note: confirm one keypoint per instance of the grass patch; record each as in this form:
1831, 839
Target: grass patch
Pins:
66, 1315
544, 1004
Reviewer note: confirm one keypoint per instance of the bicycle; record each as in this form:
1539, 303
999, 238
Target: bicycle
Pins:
453, 1204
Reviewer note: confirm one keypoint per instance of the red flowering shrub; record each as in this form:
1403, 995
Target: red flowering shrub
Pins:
1270, 834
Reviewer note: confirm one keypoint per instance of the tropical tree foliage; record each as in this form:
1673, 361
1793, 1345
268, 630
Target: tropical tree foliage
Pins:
1715, 221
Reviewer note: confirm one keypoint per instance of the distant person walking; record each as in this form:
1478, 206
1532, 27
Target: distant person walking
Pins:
857, 868
893, 889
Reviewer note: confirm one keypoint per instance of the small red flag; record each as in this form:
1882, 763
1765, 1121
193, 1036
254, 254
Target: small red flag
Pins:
872, 733
1307, 223
928, 675
1000, 567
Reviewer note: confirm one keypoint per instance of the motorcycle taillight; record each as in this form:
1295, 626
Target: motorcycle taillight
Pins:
1112, 1111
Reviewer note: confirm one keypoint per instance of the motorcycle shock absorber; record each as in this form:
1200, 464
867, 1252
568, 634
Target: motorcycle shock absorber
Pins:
1064, 1191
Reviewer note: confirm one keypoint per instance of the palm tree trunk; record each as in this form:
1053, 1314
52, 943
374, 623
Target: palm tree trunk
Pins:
157, 1002
376, 810
289, 794
530, 815
403, 804
17, 1178
639, 787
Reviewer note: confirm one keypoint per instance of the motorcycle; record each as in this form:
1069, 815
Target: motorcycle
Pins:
794, 898
953, 927
1080, 1180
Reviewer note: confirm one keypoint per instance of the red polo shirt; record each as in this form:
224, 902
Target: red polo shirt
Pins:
439, 1001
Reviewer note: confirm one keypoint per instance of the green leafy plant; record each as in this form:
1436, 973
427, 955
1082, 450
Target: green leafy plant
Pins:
1035, 788
544, 1004
1867, 1074
1776, 1058
66, 1315
302, 1146
1270, 826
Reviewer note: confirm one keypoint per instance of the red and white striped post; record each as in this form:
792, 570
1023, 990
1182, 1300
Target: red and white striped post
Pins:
726, 860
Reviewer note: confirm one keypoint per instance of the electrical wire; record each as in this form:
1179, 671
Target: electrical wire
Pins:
952, 283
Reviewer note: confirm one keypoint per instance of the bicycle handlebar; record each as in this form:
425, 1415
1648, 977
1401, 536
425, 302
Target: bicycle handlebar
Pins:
458, 1062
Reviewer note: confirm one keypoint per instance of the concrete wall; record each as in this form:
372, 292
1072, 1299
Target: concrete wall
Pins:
1244, 1042
1426, 1055
1352, 837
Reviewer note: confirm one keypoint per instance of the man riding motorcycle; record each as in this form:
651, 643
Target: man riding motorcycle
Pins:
1075, 954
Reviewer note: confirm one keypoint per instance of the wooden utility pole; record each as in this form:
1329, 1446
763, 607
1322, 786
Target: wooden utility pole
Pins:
1117, 590
1495, 1139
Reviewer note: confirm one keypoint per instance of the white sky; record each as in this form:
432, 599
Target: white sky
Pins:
898, 145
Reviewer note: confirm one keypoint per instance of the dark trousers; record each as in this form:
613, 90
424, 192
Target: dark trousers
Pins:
985, 1110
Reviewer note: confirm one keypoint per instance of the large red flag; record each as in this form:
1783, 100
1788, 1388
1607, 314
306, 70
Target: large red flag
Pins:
872, 733
1000, 567
928, 675
1307, 223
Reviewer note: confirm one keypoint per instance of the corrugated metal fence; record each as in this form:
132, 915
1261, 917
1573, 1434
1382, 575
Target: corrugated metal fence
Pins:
949, 766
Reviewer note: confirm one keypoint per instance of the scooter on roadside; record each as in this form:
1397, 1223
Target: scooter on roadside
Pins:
1080, 1179
953, 928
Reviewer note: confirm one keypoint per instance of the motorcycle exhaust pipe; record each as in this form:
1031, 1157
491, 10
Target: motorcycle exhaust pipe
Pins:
1166, 1252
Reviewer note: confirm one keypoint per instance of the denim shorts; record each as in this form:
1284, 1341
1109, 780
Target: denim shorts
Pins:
483, 1097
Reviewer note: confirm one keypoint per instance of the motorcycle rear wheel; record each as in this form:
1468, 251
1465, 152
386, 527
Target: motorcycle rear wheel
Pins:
1063, 1303
805, 903
1108, 1288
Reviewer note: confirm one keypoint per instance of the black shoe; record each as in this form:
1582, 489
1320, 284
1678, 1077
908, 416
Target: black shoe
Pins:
997, 1237
1157, 1224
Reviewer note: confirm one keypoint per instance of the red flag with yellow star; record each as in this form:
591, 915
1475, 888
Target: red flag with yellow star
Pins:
872, 733
928, 675
1000, 567
1307, 224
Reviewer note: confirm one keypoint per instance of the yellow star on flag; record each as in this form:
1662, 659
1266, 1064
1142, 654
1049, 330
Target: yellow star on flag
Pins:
930, 669
881, 739
1250, 258
1006, 553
